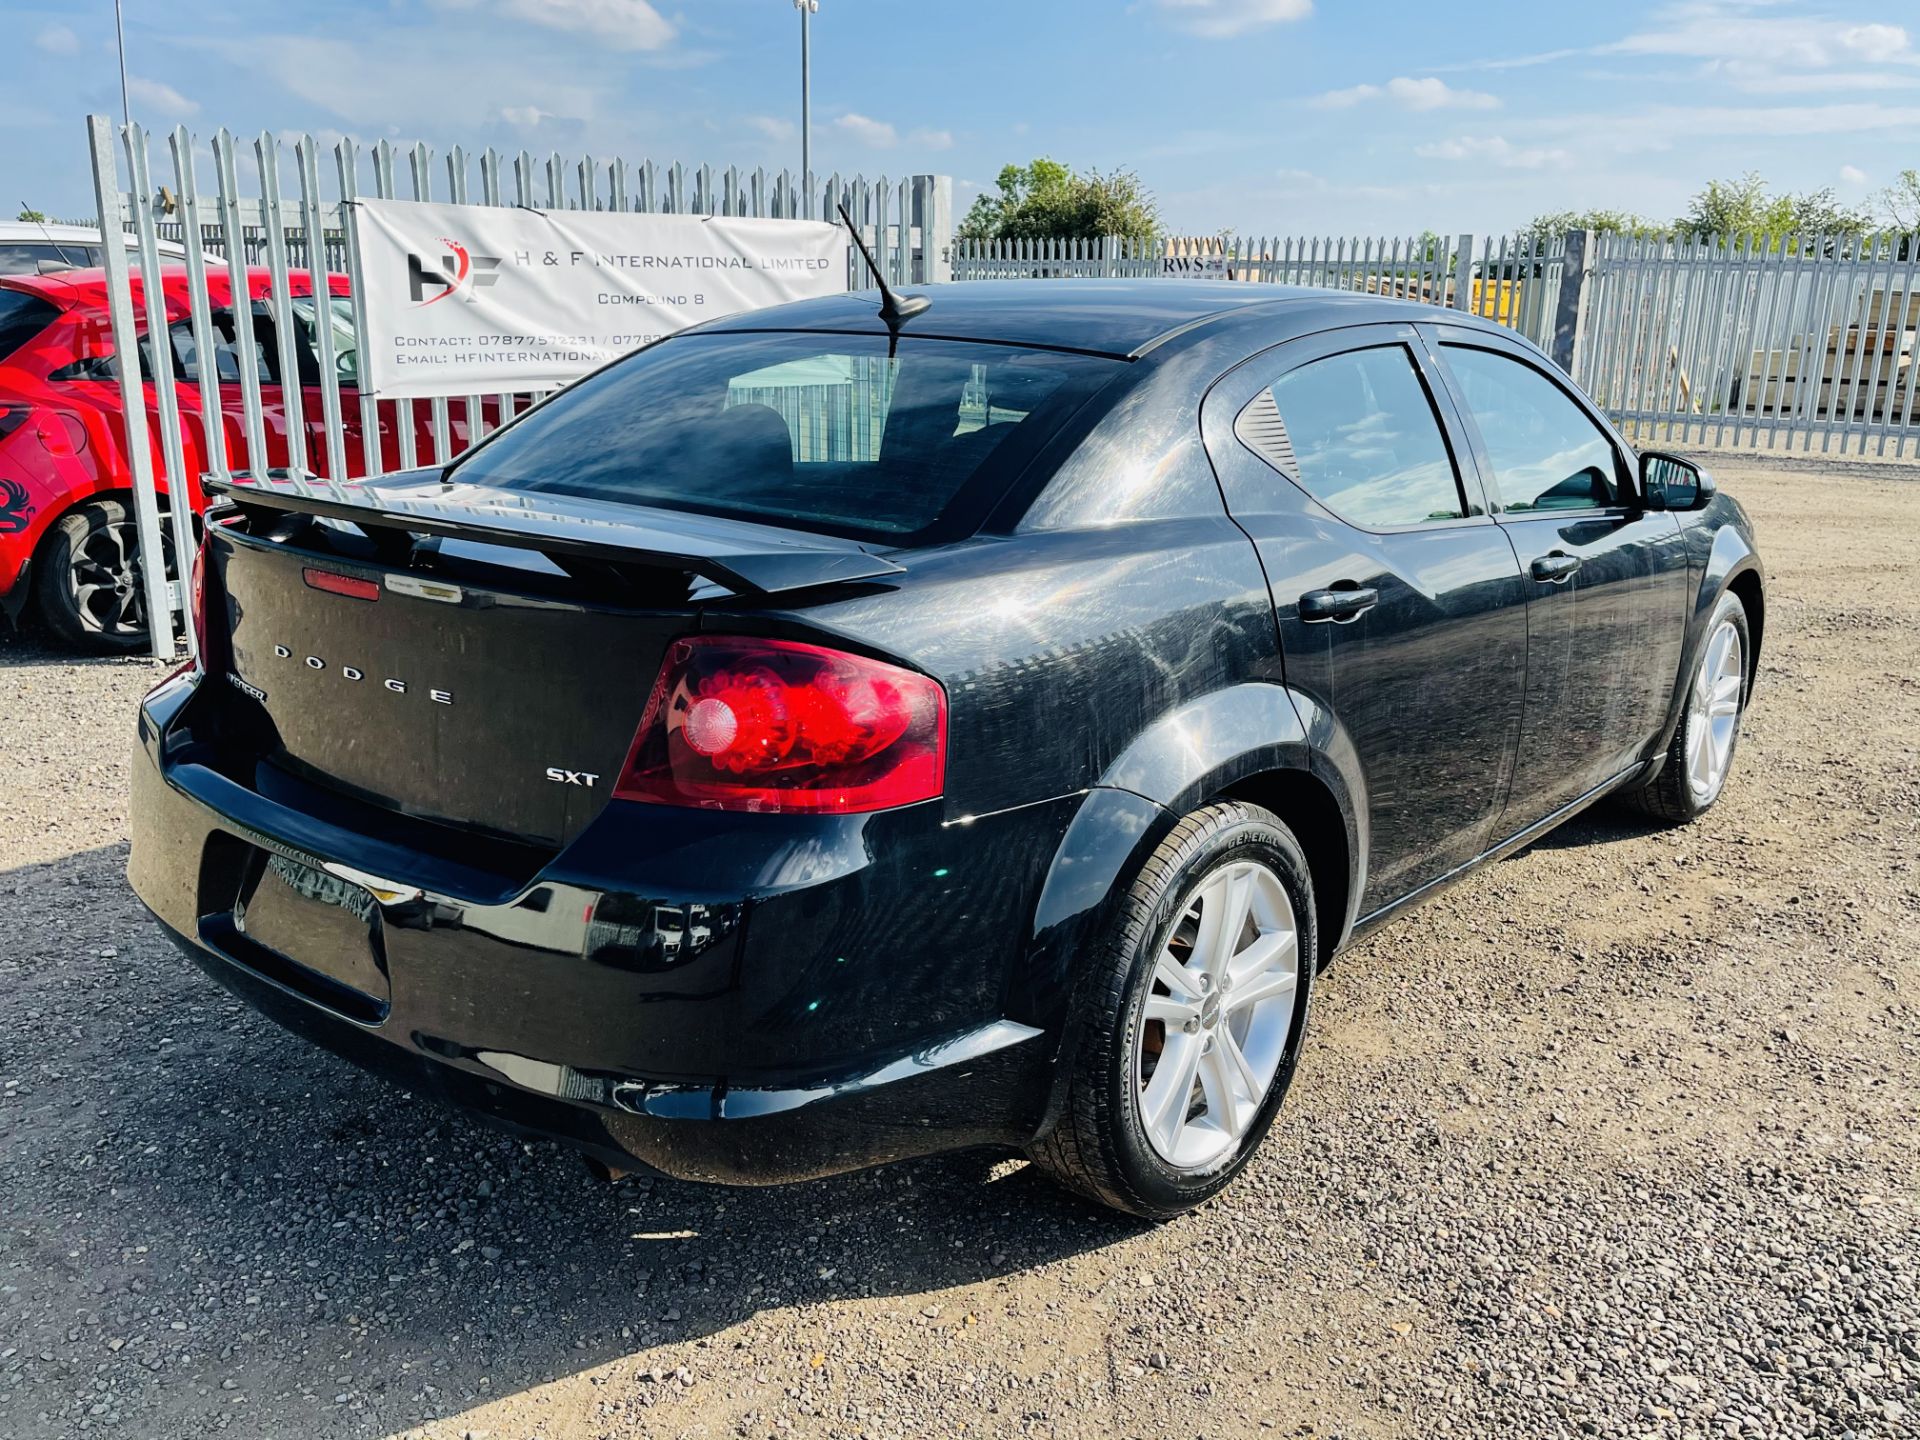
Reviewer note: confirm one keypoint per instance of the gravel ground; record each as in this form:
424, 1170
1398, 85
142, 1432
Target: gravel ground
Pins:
1617, 1138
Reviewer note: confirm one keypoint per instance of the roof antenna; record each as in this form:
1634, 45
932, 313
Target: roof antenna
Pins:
47, 235
895, 310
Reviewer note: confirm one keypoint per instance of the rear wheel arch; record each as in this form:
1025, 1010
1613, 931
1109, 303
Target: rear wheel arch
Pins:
1307, 806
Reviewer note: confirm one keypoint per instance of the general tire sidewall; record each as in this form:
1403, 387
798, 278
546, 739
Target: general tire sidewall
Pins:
1727, 608
1160, 1184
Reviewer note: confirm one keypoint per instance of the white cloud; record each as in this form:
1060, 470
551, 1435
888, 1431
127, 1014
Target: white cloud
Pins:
1732, 32
160, 98
877, 133
1746, 122
524, 117
382, 87
1345, 99
1429, 93
1435, 94
1496, 150
58, 40
619, 24
1853, 175
772, 127
1223, 19
931, 139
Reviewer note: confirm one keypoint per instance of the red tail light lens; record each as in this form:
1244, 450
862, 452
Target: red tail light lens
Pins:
197, 607
774, 725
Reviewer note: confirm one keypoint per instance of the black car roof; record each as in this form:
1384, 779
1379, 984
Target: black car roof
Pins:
1107, 317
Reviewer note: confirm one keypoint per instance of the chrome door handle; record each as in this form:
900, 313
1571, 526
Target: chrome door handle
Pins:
1339, 606
1555, 567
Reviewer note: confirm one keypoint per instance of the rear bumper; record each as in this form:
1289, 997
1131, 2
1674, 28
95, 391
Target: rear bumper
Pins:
747, 1003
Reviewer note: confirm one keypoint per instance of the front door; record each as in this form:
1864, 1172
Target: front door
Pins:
1400, 607
1606, 577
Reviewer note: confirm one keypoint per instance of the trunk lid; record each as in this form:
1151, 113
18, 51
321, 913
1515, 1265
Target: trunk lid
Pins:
484, 665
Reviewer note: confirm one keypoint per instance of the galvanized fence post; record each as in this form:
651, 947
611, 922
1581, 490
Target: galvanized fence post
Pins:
133, 400
1463, 272
1566, 310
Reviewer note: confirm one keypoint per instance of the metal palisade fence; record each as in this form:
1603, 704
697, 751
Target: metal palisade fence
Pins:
1752, 341
1755, 341
1513, 279
274, 393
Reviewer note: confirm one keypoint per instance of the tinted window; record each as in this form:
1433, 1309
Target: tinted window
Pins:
186, 358
21, 318
226, 352
1359, 433
1546, 453
24, 257
826, 431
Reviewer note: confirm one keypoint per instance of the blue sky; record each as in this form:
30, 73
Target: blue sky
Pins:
1350, 116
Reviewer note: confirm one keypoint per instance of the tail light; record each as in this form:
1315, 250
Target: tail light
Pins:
197, 606
774, 725
210, 642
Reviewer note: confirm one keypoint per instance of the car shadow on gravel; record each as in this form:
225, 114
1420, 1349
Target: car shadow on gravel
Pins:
27, 646
1602, 825
317, 1232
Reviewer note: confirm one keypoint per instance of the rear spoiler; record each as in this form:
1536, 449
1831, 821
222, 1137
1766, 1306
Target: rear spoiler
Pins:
744, 557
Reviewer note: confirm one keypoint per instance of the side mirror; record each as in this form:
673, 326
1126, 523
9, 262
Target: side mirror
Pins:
1672, 482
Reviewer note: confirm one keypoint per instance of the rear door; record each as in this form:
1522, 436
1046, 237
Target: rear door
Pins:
1400, 606
1606, 577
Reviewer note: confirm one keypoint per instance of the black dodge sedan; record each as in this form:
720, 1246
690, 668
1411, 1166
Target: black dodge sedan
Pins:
826, 737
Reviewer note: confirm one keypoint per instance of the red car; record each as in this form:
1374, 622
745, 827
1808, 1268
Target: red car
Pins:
67, 546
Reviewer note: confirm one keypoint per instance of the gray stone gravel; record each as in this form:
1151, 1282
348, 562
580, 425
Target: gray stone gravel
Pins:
1616, 1139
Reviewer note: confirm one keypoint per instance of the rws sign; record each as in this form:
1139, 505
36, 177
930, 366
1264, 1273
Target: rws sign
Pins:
473, 298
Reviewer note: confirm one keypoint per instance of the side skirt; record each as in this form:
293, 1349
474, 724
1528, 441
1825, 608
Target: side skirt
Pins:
1518, 841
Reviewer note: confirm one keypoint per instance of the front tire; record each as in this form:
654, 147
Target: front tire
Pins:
1701, 755
1192, 1016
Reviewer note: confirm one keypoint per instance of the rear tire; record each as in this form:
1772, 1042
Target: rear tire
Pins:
1148, 1003
87, 582
1701, 755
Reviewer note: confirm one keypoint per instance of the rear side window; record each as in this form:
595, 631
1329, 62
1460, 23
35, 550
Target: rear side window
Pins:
1547, 455
26, 257
1358, 433
22, 317
826, 432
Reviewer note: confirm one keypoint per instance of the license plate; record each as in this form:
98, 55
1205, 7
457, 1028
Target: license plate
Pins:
316, 920
327, 889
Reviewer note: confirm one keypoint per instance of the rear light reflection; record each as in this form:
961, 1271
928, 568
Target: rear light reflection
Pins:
775, 725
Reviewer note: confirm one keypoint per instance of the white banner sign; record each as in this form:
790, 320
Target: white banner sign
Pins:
480, 298
1211, 265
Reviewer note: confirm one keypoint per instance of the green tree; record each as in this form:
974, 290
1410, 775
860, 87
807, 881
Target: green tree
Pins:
1900, 202
1599, 222
1747, 207
32, 217
1047, 201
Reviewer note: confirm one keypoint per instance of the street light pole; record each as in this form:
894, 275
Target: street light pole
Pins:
120, 36
807, 9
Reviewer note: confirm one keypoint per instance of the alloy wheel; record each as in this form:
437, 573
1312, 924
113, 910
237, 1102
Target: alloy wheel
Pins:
1217, 1015
1714, 711
105, 582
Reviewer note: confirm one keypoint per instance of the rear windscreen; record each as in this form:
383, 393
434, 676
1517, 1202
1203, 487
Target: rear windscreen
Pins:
22, 317
825, 432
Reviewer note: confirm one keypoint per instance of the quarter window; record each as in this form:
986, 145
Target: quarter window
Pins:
1358, 433
1547, 455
